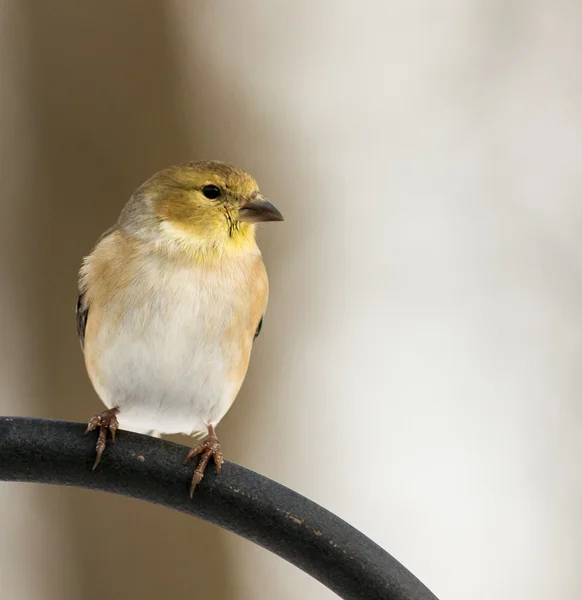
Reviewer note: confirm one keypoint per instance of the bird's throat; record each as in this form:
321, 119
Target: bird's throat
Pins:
206, 245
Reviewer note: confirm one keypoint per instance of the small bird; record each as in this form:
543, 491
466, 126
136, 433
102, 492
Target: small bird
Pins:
170, 301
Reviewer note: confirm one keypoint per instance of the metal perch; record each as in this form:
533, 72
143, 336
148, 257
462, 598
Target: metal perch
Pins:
254, 507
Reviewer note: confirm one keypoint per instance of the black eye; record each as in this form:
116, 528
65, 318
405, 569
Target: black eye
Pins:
211, 192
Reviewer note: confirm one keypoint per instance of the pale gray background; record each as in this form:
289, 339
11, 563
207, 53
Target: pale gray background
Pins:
425, 326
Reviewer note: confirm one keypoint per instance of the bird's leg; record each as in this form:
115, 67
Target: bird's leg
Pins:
106, 421
210, 448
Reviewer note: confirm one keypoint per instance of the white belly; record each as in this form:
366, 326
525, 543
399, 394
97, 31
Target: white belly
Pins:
167, 363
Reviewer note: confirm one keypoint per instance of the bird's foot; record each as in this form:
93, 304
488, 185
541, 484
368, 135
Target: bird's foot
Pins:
106, 421
210, 448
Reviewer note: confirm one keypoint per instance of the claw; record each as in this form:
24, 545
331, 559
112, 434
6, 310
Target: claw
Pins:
210, 448
93, 424
106, 421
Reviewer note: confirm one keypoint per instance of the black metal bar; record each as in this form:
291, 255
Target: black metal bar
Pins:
265, 512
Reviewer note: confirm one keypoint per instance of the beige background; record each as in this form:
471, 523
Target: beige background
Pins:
425, 326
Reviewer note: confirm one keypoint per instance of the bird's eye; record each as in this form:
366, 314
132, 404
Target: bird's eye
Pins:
211, 192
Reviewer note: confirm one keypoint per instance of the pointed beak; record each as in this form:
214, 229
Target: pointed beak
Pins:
259, 210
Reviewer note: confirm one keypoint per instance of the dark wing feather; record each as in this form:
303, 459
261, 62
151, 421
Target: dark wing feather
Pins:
259, 327
82, 313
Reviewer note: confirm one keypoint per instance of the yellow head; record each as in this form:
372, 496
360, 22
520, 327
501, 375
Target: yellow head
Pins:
204, 207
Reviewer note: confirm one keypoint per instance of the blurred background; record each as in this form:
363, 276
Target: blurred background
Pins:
426, 286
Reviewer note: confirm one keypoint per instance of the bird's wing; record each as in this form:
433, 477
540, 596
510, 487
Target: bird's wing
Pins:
259, 327
82, 312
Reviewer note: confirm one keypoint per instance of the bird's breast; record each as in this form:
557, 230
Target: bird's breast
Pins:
175, 331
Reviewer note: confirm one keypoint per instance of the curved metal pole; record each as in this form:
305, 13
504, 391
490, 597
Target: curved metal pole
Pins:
254, 507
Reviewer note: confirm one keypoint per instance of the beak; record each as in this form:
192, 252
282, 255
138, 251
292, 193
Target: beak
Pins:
259, 210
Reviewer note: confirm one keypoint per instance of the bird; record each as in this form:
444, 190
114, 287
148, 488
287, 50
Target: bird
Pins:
170, 301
